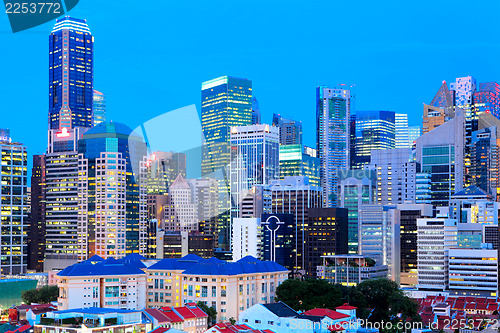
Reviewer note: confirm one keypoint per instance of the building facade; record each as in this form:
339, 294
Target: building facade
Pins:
99, 107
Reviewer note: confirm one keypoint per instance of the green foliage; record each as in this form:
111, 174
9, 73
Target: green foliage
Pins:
308, 294
46, 294
46, 321
232, 321
210, 311
370, 262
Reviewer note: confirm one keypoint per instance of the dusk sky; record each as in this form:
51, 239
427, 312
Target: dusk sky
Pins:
151, 56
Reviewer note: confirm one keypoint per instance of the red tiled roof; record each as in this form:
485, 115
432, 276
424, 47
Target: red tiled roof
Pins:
481, 306
326, 312
492, 306
171, 315
199, 313
340, 326
24, 328
470, 306
160, 330
346, 306
158, 315
470, 298
226, 327
185, 312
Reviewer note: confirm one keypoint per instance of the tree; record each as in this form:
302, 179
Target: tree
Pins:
210, 311
46, 294
308, 294
232, 321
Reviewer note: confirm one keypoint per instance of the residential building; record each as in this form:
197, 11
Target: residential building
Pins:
350, 269
98, 107
290, 131
225, 102
254, 160
229, 287
294, 195
473, 272
112, 214
440, 153
246, 238
409, 214
162, 170
374, 130
71, 68
402, 133
326, 234
110, 283
396, 176
189, 318
379, 236
356, 187
36, 231
435, 237
333, 116
296, 160
93, 320
13, 206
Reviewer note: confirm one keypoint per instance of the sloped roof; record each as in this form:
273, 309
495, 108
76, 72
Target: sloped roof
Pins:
180, 182
346, 306
176, 263
108, 267
281, 309
171, 314
326, 313
472, 190
158, 315
219, 267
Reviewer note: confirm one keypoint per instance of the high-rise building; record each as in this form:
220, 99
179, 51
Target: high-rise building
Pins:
423, 188
290, 130
294, 195
296, 160
256, 118
36, 232
435, 238
414, 132
396, 176
326, 232
279, 239
402, 136
441, 154
246, 238
473, 272
71, 63
112, 192
99, 107
61, 198
204, 196
181, 213
355, 188
464, 88
485, 160
379, 236
225, 102
487, 98
375, 130
254, 160
162, 170
409, 214
333, 116
13, 206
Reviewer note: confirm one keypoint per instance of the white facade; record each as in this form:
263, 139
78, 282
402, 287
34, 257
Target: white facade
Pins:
379, 236
396, 176
464, 89
106, 291
246, 238
402, 132
181, 214
473, 272
435, 237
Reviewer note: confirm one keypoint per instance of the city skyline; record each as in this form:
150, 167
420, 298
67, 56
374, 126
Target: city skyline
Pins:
178, 88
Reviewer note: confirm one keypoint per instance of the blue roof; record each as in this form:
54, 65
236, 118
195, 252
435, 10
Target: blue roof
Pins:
472, 190
247, 265
107, 129
94, 258
177, 263
93, 310
109, 266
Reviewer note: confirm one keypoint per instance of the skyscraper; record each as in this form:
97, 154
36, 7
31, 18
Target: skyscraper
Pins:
402, 131
296, 160
99, 107
414, 132
162, 170
487, 98
36, 233
333, 110
225, 102
111, 192
13, 206
256, 119
375, 130
71, 66
290, 130
254, 160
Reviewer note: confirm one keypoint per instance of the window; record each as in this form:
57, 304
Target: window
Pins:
257, 321
214, 291
223, 291
204, 291
190, 290
111, 291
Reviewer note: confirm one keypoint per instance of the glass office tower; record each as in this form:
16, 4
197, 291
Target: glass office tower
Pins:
333, 109
225, 102
112, 192
99, 107
71, 66
375, 130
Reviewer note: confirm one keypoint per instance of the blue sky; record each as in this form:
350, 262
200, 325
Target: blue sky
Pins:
151, 56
